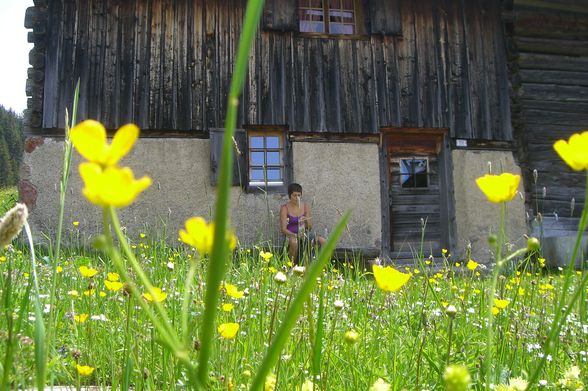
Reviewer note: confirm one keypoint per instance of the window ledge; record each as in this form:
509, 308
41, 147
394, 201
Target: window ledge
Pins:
359, 37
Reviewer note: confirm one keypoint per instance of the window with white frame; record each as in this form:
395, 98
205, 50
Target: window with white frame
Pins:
342, 16
266, 158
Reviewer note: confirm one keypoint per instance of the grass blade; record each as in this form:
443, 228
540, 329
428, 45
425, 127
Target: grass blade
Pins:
218, 259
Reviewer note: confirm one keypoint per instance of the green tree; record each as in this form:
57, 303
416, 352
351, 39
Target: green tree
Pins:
11, 146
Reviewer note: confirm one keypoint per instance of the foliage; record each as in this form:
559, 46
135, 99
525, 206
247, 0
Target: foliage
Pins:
11, 146
8, 198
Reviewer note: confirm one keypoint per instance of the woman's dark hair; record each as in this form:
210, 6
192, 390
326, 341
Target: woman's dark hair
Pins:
292, 187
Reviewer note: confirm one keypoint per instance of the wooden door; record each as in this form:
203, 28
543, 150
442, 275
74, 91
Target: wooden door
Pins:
414, 204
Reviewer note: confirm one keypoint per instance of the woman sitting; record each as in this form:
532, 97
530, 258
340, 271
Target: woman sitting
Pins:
296, 221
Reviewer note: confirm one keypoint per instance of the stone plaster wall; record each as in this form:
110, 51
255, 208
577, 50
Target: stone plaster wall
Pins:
475, 217
180, 169
340, 176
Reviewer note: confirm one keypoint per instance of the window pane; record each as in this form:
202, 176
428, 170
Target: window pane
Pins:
256, 142
274, 174
273, 158
256, 175
311, 27
338, 28
414, 173
256, 158
420, 180
272, 142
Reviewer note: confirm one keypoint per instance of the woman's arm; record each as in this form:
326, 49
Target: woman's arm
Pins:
284, 222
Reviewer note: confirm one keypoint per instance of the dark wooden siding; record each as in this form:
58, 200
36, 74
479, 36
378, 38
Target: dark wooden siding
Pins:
166, 65
549, 58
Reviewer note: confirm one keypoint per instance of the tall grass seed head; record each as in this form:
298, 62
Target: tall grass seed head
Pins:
280, 278
351, 337
380, 385
12, 223
457, 378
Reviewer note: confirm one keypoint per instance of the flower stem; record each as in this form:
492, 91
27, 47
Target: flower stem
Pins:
490, 304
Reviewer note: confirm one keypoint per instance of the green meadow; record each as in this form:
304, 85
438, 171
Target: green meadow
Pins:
132, 313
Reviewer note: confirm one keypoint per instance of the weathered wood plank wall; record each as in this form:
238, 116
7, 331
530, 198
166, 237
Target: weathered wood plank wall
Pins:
166, 65
548, 54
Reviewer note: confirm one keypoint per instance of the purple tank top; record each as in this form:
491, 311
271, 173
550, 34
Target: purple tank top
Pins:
293, 223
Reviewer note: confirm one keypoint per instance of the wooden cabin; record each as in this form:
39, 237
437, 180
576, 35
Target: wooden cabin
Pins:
388, 108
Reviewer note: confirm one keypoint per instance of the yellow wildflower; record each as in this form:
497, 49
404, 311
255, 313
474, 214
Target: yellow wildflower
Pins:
112, 186
228, 330
110, 276
73, 293
58, 269
233, 291
159, 295
228, 307
501, 304
389, 279
270, 382
76, 223
102, 294
574, 151
266, 255
472, 265
84, 370
521, 291
495, 310
81, 318
88, 272
541, 262
2, 258
89, 138
89, 292
200, 235
499, 188
113, 285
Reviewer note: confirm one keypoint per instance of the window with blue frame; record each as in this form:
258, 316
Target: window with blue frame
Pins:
266, 158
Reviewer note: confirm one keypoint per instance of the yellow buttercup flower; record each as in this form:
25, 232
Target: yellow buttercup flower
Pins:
228, 307
501, 304
495, 310
228, 330
499, 188
88, 272
111, 276
389, 279
574, 151
472, 265
113, 285
89, 138
233, 291
81, 318
200, 235
112, 186
84, 370
159, 295
266, 255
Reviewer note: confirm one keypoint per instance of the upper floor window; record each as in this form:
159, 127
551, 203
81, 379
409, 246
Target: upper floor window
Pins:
342, 16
